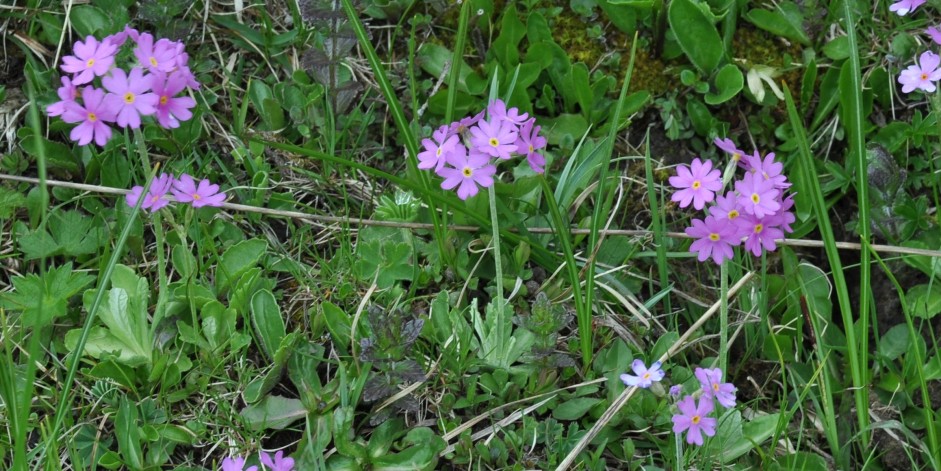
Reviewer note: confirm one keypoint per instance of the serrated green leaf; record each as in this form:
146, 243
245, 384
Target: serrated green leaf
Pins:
42, 299
69, 233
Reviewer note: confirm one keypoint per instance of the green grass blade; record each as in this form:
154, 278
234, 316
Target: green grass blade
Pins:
398, 116
809, 174
656, 220
851, 89
457, 60
584, 320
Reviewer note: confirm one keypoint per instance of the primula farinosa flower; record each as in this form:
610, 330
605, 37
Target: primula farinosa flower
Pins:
696, 184
185, 72
934, 33
438, 148
68, 92
185, 190
279, 463
236, 463
726, 145
462, 126
161, 55
784, 217
156, 197
759, 233
529, 142
130, 96
644, 376
769, 169
904, 7
713, 387
675, 391
92, 58
922, 75
693, 419
171, 109
494, 138
726, 207
757, 196
93, 113
468, 171
714, 238
497, 111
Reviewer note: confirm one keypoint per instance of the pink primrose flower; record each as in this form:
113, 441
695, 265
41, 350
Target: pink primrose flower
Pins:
529, 142
922, 75
185, 190
759, 233
171, 109
696, 184
768, 168
494, 138
462, 126
279, 463
68, 92
498, 111
757, 196
726, 145
693, 419
904, 7
726, 207
236, 463
93, 113
130, 96
437, 149
934, 33
468, 171
712, 386
162, 55
714, 239
157, 195
643, 377
92, 58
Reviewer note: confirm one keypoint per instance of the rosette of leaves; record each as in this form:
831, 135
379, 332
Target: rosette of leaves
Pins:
387, 348
895, 216
545, 320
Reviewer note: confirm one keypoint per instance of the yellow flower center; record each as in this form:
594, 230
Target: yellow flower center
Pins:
468, 172
531, 149
196, 197
438, 152
153, 61
646, 375
494, 142
695, 419
924, 76
154, 199
733, 214
129, 98
714, 237
758, 229
715, 387
736, 157
90, 63
755, 198
696, 184
92, 117
164, 99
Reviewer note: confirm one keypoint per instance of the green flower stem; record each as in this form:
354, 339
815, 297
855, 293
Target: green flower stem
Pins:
724, 317
498, 267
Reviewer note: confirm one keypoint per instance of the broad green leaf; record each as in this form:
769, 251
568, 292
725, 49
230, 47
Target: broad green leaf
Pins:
838, 48
273, 413
729, 81
268, 322
101, 341
894, 343
786, 21
743, 437
42, 299
696, 34
128, 434
574, 409
69, 233
257, 388
383, 436
924, 300
802, 461
10, 201
339, 324
237, 260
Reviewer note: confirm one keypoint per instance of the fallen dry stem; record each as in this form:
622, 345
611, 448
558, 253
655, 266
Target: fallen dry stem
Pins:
319, 219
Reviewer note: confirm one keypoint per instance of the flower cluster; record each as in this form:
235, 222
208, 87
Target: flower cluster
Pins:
277, 463
149, 87
465, 152
184, 190
755, 214
693, 417
924, 74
